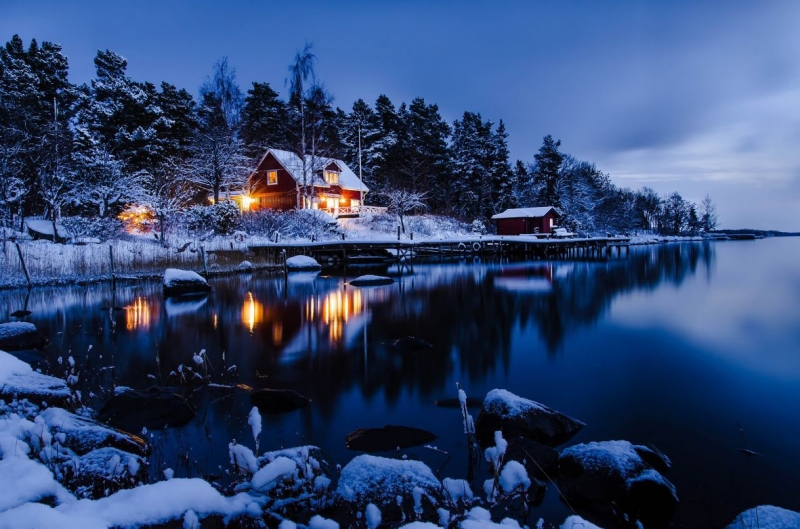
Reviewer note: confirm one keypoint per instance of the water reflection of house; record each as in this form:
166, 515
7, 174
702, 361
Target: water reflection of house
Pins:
525, 278
334, 321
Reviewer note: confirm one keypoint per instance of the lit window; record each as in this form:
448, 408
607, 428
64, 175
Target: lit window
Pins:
272, 177
332, 177
354, 203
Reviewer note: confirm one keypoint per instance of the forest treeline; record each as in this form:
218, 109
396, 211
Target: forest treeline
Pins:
91, 150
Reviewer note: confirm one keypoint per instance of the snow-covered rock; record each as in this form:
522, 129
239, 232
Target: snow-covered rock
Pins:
245, 265
104, 470
302, 262
43, 229
502, 410
389, 484
180, 282
18, 335
18, 379
610, 473
766, 517
371, 280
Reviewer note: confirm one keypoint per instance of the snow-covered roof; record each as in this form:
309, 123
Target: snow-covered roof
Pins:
294, 166
517, 213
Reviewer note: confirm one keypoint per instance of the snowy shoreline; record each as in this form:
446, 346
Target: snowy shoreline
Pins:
58, 264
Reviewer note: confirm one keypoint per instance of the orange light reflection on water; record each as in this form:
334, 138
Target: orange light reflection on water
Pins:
252, 312
137, 315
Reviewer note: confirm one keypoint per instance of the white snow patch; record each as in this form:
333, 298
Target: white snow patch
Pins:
144, 505
458, 489
514, 477
18, 377
382, 479
13, 329
766, 517
507, 404
243, 458
269, 476
174, 277
373, 516
301, 262
254, 420
576, 522
318, 522
618, 457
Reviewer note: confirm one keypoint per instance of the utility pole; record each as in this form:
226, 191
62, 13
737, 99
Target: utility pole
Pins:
360, 180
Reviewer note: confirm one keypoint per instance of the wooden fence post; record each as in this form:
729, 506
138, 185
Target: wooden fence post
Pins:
111, 260
21, 260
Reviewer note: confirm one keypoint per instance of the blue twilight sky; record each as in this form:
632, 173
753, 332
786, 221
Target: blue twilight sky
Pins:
698, 97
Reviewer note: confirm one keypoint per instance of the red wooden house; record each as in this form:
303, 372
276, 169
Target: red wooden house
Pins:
521, 221
283, 181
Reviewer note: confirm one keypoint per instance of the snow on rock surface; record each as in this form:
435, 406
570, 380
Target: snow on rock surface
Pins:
271, 474
614, 472
16, 335
18, 378
576, 522
766, 517
302, 262
379, 480
179, 282
514, 415
145, 505
371, 280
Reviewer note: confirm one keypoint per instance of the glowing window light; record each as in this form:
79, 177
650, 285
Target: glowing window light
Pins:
246, 202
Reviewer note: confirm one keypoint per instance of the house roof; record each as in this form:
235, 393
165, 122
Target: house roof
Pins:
294, 166
524, 213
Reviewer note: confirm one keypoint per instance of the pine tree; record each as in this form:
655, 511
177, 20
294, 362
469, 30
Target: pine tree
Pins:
264, 119
502, 176
548, 163
36, 102
360, 134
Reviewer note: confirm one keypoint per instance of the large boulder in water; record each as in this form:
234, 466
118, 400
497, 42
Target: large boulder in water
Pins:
766, 517
276, 401
389, 437
155, 408
614, 474
381, 481
18, 335
19, 380
513, 415
184, 282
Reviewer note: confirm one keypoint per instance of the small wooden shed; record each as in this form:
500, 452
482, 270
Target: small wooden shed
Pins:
522, 221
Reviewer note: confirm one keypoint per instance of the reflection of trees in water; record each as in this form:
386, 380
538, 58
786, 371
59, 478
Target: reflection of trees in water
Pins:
583, 295
308, 334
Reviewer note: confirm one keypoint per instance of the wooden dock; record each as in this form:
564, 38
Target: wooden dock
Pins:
374, 251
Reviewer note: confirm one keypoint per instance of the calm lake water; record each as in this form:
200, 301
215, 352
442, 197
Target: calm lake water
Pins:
675, 345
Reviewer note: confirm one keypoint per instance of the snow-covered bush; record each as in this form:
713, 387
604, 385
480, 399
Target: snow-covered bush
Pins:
92, 228
288, 224
222, 218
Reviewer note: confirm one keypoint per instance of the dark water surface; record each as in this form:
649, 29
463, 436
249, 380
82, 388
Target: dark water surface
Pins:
674, 345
